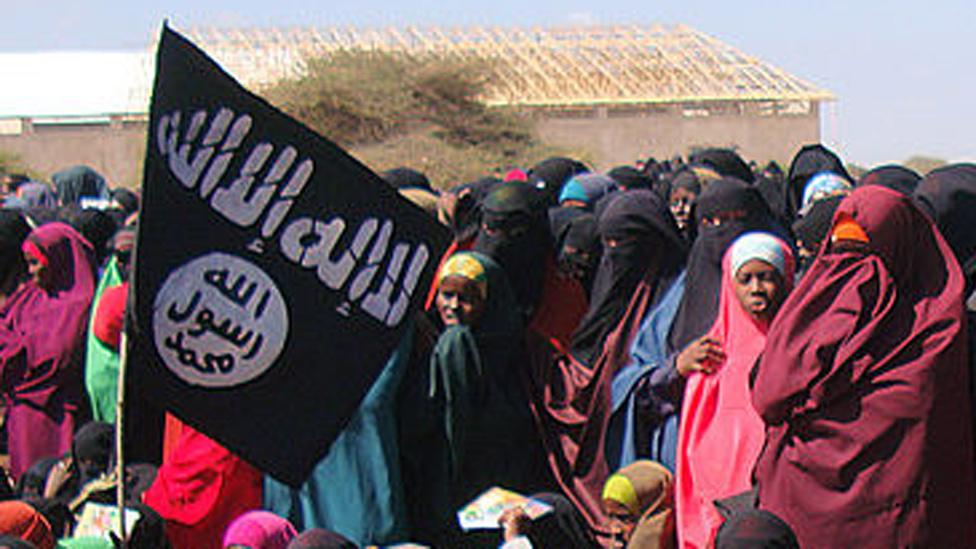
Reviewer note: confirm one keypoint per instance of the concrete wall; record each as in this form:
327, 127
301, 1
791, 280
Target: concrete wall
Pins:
115, 150
759, 131
622, 136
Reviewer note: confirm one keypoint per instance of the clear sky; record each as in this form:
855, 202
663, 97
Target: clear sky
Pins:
904, 72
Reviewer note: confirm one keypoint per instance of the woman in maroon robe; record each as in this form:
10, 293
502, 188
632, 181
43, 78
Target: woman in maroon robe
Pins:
863, 387
42, 329
570, 392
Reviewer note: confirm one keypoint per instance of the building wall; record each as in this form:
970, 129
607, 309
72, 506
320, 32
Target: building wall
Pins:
621, 136
115, 150
760, 132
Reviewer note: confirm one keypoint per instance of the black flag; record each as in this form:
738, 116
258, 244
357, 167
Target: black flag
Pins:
275, 273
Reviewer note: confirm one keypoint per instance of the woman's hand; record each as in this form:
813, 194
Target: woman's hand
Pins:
515, 522
704, 355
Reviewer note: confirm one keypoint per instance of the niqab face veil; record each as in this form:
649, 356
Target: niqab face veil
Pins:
704, 280
515, 233
647, 245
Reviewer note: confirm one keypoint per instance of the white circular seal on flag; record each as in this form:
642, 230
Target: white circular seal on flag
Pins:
219, 321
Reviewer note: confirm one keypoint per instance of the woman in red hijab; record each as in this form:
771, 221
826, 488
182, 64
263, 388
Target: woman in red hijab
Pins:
863, 387
42, 329
720, 434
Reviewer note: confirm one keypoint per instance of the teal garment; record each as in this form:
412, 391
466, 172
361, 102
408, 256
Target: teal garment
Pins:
102, 362
356, 489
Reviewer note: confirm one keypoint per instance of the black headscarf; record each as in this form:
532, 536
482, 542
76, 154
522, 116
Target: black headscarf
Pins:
755, 529
149, 532
811, 229
466, 218
96, 226
771, 190
523, 256
630, 178
560, 219
57, 513
33, 481
13, 230
128, 200
318, 538
93, 450
581, 250
892, 176
406, 178
552, 173
650, 246
73, 184
699, 305
724, 161
808, 162
949, 196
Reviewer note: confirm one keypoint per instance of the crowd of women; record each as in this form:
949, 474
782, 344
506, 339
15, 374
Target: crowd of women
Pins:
689, 353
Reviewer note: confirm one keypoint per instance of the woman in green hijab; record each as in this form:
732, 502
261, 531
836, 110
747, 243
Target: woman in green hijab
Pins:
484, 432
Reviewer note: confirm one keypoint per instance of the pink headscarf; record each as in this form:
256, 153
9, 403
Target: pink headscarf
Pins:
720, 434
259, 530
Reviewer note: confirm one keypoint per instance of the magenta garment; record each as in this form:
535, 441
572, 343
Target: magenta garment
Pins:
720, 433
863, 387
260, 530
42, 332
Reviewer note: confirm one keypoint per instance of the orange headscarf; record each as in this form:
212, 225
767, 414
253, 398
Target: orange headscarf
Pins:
22, 521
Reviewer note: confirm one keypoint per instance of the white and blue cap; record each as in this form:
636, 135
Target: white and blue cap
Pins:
757, 245
823, 185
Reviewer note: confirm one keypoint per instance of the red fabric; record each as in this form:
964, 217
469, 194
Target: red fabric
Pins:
110, 315
451, 250
863, 387
20, 520
572, 404
32, 250
200, 489
561, 307
720, 433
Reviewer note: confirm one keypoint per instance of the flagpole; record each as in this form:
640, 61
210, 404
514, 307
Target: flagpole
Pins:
119, 453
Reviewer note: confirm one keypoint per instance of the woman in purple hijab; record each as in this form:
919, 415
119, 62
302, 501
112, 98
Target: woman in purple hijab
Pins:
42, 327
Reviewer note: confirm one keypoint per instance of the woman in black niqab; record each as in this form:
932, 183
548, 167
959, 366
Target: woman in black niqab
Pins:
892, 176
726, 209
515, 232
640, 241
552, 173
948, 194
808, 162
13, 231
726, 162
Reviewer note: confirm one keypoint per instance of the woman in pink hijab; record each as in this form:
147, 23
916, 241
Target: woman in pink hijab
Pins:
259, 530
720, 434
42, 329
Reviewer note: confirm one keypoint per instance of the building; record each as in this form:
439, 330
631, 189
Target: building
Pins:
622, 92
